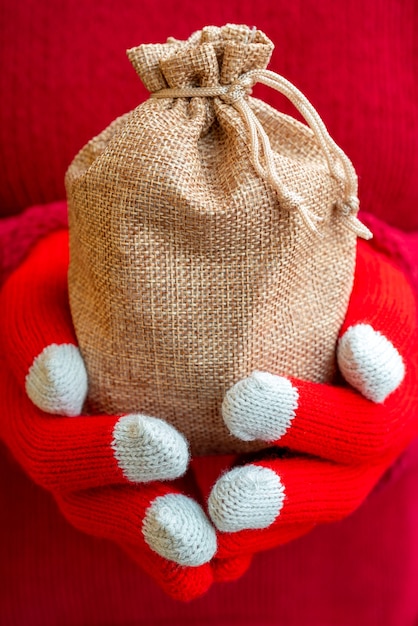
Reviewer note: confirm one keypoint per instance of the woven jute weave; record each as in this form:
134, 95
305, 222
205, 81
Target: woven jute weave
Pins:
187, 269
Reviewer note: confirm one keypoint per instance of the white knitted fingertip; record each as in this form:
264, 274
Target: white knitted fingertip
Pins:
176, 528
247, 497
370, 362
57, 380
261, 406
147, 448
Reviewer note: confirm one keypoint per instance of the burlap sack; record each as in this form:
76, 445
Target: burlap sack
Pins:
188, 269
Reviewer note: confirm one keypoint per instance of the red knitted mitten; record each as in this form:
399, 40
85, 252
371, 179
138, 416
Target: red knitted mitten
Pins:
354, 439
82, 460
163, 527
270, 496
158, 520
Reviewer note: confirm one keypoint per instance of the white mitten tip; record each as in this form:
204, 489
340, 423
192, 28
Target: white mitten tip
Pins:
369, 362
57, 380
176, 528
261, 406
147, 448
248, 497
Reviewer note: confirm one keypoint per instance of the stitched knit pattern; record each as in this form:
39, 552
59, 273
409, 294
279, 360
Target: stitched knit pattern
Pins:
369, 362
57, 380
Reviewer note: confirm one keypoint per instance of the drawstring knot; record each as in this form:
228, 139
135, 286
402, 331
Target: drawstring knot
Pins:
348, 207
236, 95
239, 89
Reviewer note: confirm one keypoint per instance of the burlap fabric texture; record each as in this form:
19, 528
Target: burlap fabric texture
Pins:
189, 269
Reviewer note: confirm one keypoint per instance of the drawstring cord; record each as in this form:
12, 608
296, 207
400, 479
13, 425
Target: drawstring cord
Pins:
236, 95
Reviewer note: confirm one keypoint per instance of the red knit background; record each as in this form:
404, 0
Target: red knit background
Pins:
65, 76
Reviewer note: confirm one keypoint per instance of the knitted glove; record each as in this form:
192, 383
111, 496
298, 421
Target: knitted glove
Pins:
81, 461
91, 463
91, 510
331, 445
